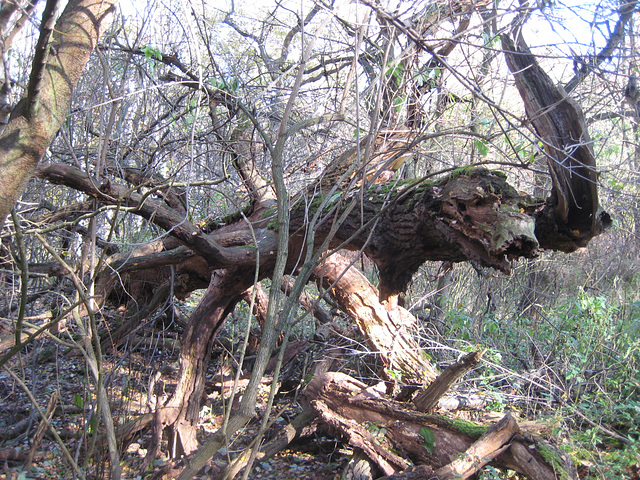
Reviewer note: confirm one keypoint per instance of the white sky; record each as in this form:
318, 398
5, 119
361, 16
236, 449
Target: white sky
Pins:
572, 27
568, 22
571, 23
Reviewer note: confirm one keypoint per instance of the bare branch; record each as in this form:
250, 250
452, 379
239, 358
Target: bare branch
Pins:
625, 11
40, 57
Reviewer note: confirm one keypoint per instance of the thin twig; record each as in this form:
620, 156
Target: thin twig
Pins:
55, 434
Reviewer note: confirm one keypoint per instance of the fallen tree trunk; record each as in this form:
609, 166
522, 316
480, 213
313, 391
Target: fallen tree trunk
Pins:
389, 331
471, 214
399, 439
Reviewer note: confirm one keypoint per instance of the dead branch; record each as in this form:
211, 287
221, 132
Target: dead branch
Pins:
389, 433
426, 400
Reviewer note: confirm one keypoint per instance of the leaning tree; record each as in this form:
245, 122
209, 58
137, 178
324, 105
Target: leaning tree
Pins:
216, 151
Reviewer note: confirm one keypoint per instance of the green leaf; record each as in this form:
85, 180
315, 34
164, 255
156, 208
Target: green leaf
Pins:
429, 439
93, 423
78, 401
150, 52
396, 71
398, 102
490, 41
483, 147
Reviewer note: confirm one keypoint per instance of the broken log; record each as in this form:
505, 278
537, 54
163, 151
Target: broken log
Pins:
399, 439
426, 400
492, 443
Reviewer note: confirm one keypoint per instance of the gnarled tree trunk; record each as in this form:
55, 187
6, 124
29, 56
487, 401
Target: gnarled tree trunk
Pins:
61, 55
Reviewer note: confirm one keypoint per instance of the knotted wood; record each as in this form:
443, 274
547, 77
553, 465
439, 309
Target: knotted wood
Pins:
571, 217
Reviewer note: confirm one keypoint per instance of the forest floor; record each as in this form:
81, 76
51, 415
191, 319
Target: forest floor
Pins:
51, 368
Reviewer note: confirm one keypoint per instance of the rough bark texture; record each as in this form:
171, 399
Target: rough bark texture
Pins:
426, 400
184, 406
472, 214
389, 332
396, 437
571, 218
492, 443
30, 130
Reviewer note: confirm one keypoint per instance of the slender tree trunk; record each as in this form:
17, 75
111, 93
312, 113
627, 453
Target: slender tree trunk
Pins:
636, 164
439, 300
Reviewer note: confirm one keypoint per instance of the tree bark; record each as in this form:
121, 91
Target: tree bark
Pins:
390, 433
36, 120
571, 217
472, 214
426, 400
389, 332
183, 408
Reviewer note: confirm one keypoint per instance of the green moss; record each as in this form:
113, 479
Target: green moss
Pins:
320, 200
269, 212
553, 459
426, 184
395, 187
273, 224
213, 224
499, 173
316, 201
411, 188
232, 217
463, 171
210, 224
470, 429
471, 170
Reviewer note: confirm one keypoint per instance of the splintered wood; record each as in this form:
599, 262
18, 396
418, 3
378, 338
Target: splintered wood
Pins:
407, 444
